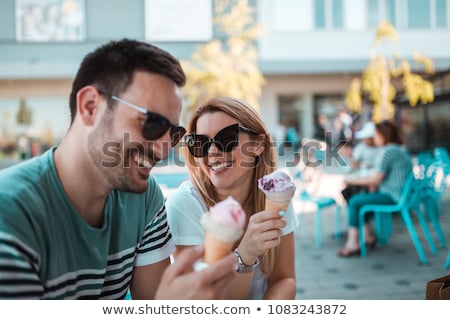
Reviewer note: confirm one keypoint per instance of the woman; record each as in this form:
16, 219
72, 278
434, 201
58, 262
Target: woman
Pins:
392, 167
229, 149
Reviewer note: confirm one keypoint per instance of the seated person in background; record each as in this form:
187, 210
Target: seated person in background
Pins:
392, 167
363, 158
229, 149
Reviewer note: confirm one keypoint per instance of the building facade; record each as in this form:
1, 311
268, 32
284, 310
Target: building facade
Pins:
309, 51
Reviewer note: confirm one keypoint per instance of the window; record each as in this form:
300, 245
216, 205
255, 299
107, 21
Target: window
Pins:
379, 10
419, 14
411, 14
319, 11
328, 14
441, 14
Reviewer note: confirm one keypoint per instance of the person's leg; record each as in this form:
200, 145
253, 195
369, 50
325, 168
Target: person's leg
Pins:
356, 202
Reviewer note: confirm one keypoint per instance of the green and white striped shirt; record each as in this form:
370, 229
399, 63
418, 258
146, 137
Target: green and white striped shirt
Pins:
395, 163
47, 251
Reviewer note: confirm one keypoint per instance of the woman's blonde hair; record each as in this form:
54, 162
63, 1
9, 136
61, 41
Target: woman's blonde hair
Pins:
264, 164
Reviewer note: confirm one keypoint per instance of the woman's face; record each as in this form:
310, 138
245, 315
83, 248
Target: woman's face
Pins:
378, 139
229, 172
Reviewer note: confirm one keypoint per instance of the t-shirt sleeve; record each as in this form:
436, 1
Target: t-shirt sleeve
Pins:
156, 243
184, 211
19, 262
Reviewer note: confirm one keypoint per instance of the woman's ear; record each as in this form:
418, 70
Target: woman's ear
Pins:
261, 141
88, 99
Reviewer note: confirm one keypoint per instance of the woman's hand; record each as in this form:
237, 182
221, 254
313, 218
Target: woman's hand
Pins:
263, 233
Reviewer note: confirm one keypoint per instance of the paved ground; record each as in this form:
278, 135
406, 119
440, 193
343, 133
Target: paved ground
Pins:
393, 271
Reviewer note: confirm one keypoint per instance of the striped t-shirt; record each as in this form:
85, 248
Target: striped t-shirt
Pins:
394, 162
47, 251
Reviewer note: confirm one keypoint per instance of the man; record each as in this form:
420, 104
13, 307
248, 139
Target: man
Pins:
85, 220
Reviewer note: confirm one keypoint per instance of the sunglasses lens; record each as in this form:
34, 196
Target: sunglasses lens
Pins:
225, 140
155, 126
198, 145
176, 134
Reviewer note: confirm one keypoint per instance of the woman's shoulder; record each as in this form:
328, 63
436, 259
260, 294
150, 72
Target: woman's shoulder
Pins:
186, 194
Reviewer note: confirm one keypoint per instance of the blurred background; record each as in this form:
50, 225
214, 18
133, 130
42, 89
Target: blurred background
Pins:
308, 66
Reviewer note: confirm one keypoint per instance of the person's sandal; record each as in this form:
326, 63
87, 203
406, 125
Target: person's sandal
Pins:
372, 244
347, 253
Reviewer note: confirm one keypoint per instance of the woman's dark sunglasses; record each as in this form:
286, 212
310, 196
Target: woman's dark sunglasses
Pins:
155, 125
226, 140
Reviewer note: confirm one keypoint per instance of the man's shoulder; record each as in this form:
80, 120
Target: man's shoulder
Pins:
24, 175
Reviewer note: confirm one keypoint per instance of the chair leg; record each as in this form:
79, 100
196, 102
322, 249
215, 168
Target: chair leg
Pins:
362, 238
318, 228
338, 222
447, 262
426, 230
433, 215
412, 233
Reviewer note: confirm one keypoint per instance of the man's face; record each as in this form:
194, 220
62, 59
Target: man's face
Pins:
117, 145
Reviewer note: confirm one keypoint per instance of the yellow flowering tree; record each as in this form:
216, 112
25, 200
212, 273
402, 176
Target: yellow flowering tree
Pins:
376, 80
229, 68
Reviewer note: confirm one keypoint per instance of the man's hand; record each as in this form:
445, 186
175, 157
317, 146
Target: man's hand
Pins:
180, 282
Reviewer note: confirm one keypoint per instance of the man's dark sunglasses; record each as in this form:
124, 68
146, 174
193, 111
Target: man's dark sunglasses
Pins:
155, 125
226, 140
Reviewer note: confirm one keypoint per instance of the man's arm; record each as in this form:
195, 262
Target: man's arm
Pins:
146, 280
19, 278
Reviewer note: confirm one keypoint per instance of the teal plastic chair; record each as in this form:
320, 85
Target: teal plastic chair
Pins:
447, 262
409, 201
442, 154
321, 203
433, 184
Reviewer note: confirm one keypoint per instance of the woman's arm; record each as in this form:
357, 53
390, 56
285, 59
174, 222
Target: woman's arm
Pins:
372, 181
281, 282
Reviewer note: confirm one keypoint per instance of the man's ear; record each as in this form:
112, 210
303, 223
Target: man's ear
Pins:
88, 100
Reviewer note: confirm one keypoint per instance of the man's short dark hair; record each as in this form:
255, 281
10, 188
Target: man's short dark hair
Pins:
111, 67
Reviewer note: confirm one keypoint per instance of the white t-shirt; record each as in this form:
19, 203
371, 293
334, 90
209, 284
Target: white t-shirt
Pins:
184, 209
365, 154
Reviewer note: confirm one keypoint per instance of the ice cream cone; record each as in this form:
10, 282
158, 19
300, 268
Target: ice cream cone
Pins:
223, 226
215, 249
276, 206
279, 201
278, 189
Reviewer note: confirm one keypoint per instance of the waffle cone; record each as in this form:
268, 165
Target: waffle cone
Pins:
215, 249
276, 206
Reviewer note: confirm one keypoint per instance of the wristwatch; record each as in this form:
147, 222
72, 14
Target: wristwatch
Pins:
241, 267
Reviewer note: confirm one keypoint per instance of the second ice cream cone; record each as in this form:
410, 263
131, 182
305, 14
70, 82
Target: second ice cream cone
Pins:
215, 249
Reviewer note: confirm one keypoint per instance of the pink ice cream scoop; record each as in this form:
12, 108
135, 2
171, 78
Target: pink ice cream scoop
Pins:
277, 181
223, 224
228, 213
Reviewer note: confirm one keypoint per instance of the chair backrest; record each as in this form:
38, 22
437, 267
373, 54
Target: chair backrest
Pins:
411, 191
442, 154
434, 180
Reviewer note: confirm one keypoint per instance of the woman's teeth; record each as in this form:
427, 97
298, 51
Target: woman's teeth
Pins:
219, 166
